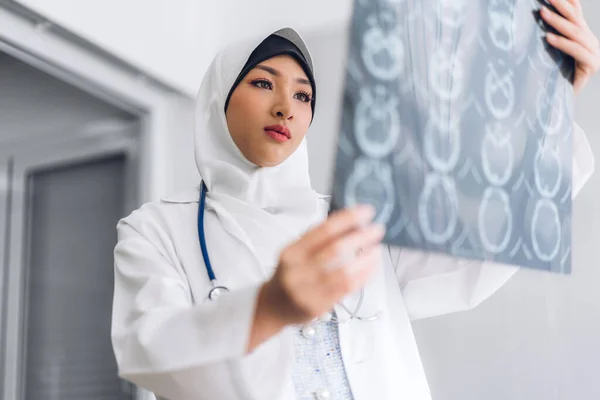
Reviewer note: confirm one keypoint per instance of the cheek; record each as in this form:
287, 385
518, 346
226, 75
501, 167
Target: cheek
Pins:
302, 121
250, 109
244, 111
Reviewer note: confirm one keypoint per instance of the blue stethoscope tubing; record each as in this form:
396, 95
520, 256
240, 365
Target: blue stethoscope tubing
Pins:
216, 290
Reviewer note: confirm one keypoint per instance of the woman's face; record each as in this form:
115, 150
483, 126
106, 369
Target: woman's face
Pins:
270, 111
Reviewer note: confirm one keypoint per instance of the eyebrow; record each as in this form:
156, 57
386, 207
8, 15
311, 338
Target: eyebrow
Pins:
274, 72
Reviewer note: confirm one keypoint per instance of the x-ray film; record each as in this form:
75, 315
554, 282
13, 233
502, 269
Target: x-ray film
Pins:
457, 126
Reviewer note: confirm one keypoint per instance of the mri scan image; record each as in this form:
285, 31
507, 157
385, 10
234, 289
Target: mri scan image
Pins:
457, 126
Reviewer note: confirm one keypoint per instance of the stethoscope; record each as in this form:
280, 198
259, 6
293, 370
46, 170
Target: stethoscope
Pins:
217, 290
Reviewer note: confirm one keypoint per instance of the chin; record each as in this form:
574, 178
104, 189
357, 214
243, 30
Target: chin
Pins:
270, 162
271, 159
268, 154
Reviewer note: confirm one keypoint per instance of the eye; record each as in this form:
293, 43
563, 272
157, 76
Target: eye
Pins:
262, 84
303, 97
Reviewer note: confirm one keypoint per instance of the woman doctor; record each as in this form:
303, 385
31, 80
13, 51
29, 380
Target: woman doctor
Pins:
293, 277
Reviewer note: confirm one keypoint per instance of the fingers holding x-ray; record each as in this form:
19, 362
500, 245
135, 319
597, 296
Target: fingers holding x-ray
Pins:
568, 10
571, 28
344, 251
329, 262
339, 223
354, 273
575, 39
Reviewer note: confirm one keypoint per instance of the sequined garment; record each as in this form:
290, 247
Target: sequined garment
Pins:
319, 371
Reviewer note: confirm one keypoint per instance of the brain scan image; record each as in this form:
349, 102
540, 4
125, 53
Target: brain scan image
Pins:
457, 127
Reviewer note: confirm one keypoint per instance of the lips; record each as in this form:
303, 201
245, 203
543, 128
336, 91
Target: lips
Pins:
278, 132
279, 129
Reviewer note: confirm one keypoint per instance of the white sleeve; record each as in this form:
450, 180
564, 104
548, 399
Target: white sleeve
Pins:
437, 284
583, 160
162, 342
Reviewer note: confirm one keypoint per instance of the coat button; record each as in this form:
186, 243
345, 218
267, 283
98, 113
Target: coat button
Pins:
322, 394
308, 332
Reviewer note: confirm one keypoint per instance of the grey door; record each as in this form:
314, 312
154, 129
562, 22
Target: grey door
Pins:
68, 291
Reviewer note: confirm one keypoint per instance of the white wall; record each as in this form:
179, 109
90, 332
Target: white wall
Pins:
166, 39
175, 40
328, 48
177, 143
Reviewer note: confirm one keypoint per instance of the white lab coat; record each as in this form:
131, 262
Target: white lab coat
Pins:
169, 339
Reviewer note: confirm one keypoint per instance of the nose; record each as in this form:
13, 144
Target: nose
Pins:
282, 108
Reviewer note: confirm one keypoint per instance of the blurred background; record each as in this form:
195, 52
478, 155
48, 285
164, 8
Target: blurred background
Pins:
96, 118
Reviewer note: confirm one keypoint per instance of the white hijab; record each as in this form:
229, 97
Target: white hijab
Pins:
265, 208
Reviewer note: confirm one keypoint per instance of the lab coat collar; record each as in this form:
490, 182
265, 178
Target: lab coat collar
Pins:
191, 195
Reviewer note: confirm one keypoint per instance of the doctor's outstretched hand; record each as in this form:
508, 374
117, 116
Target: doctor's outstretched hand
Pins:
331, 261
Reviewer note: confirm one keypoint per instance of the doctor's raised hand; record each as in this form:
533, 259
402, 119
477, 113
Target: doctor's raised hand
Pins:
332, 260
575, 39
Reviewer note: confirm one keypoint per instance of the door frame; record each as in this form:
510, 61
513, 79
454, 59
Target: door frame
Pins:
6, 171
5, 190
46, 154
33, 41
